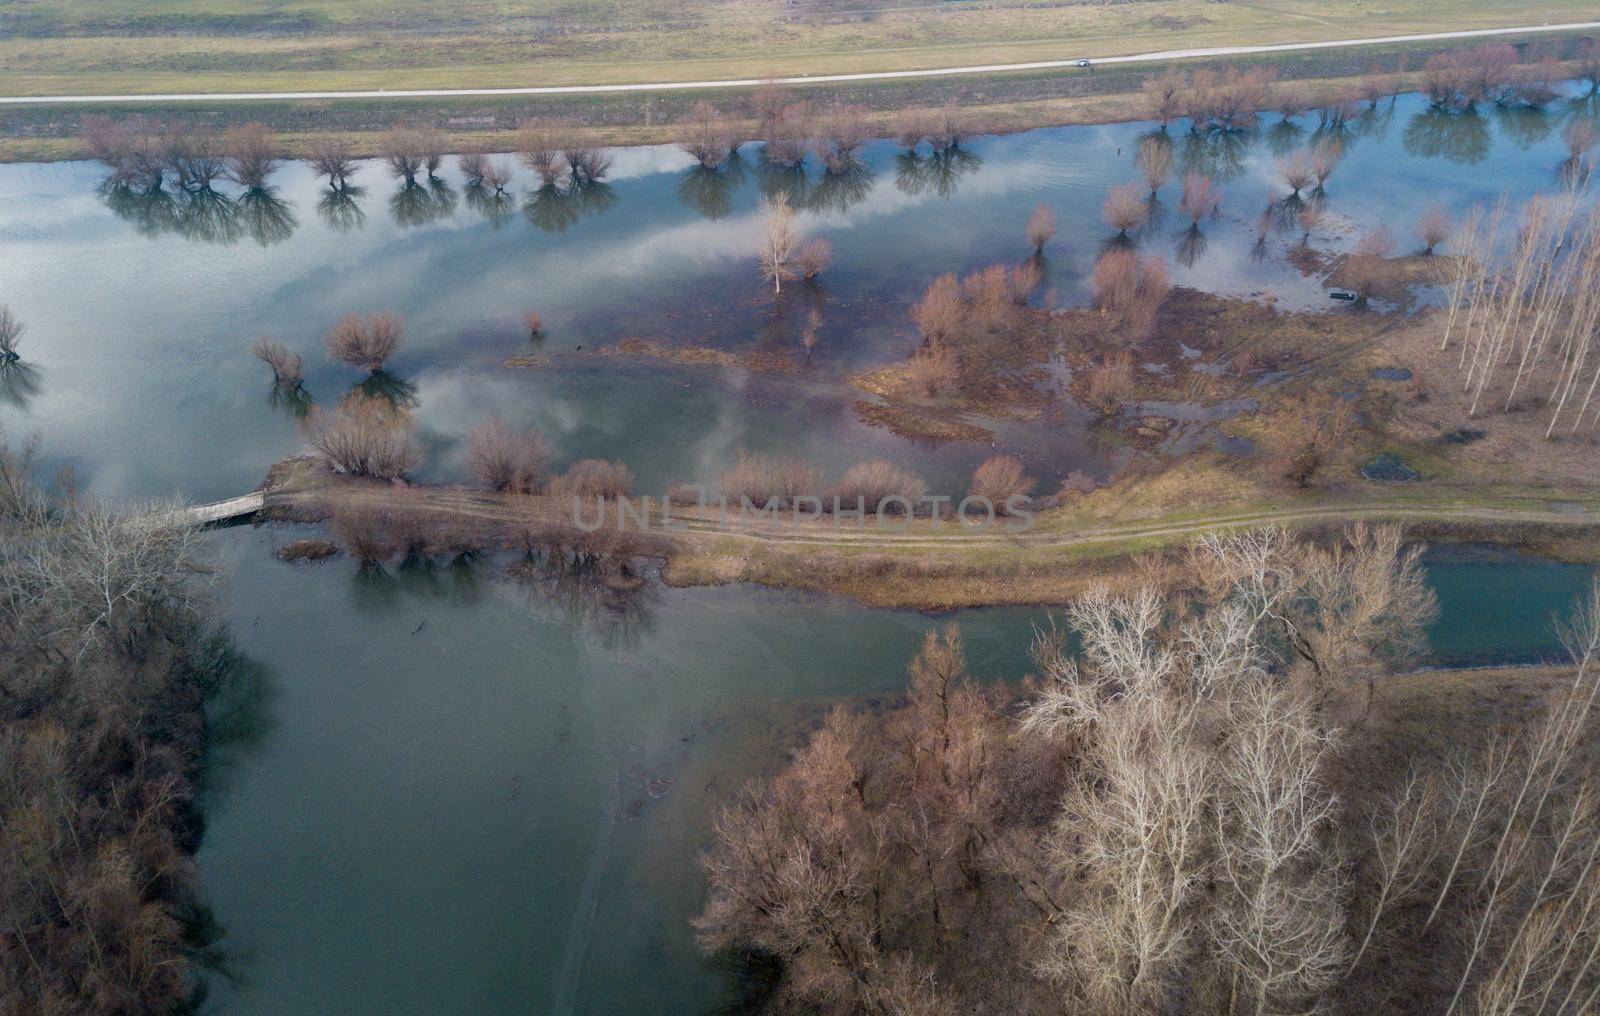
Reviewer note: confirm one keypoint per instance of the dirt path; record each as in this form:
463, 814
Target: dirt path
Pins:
949, 535
657, 86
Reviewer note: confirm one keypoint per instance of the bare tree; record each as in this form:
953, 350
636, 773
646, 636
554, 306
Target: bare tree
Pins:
776, 243
332, 158
814, 257
285, 364
540, 148
1041, 227
940, 311
1124, 208
706, 137
1296, 171
365, 341
1001, 478
1434, 228
252, 155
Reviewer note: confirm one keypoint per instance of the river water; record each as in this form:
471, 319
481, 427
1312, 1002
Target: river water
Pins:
438, 792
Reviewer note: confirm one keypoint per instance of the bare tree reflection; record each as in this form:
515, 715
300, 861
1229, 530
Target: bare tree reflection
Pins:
493, 203
841, 190
265, 217
340, 207
595, 591
938, 173
1459, 136
19, 383
554, 208
391, 388
1191, 245
707, 191
1218, 154
1525, 126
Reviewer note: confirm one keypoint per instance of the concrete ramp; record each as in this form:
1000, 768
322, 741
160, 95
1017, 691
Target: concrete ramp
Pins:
222, 511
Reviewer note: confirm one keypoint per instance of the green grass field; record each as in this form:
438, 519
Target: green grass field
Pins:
131, 46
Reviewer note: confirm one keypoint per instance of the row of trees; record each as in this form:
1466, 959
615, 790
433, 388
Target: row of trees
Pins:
1167, 820
144, 152
1525, 313
1496, 73
106, 653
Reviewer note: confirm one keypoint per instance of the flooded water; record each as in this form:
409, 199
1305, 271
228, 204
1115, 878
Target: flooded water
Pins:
142, 309
441, 794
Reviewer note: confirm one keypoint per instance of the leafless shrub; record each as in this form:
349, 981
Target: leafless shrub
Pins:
814, 257
1325, 157
1580, 136
948, 127
912, 129
1367, 267
1130, 289
1296, 171
402, 152
706, 137
1110, 383
939, 312
365, 341
534, 322
1124, 208
285, 364
540, 149
765, 481
252, 155
332, 158
1155, 161
1434, 228
505, 459
473, 165
1001, 478
1312, 430
1165, 95
934, 369
842, 130
1041, 226
873, 483
362, 531
364, 437
587, 164
1311, 218
591, 478
193, 155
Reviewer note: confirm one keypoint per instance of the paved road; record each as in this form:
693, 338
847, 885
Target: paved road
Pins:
660, 86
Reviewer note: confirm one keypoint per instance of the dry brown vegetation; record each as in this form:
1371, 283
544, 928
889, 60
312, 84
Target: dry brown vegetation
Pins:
365, 341
252, 155
505, 459
1130, 289
107, 652
814, 257
285, 364
592, 478
879, 486
1176, 817
1124, 208
1041, 227
334, 159
764, 481
1001, 478
707, 137
364, 437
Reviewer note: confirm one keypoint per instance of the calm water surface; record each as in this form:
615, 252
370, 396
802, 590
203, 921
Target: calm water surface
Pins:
142, 311
443, 793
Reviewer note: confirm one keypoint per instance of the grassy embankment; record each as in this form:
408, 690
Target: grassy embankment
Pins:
54, 47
